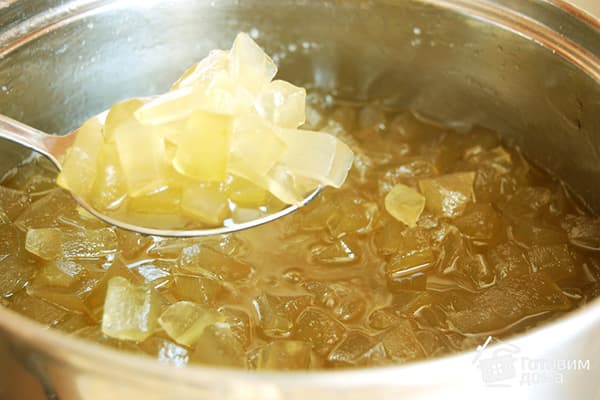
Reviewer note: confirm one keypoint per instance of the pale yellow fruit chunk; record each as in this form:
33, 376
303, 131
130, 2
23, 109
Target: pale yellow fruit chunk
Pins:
316, 155
117, 115
169, 107
109, 189
206, 204
282, 103
142, 156
185, 321
203, 147
255, 147
448, 195
249, 65
216, 61
247, 194
163, 202
130, 311
80, 165
405, 204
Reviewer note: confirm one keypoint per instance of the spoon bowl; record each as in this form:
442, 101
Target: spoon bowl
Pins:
54, 147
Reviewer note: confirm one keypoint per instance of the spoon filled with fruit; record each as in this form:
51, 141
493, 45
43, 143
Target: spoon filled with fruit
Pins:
219, 152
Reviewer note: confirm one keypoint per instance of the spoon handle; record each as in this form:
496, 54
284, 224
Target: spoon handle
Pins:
50, 146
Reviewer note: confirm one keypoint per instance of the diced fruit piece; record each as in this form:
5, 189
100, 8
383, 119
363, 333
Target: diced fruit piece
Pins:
508, 259
52, 243
357, 349
216, 61
109, 189
79, 168
49, 211
320, 329
199, 289
255, 147
448, 195
130, 311
37, 309
206, 204
338, 252
510, 301
44, 243
583, 231
97, 294
555, 260
204, 260
276, 314
249, 65
218, 346
16, 271
316, 155
119, 114
185, 321
284, 355
246, 194
203, 147
401, 344
169, 107
480, 222
405, 204
282, 103
64, 298
13, 202
164, 202
414, 255
143, 166
342, 299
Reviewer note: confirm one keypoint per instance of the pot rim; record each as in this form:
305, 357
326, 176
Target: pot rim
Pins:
89, 356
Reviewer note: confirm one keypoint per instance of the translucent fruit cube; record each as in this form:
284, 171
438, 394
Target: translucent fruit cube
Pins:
109, 189
284, 355
282, 103
169, 107
219, 346
118, 114
448, 195
205, 204
185, 321
199, 289
204, 260
203, 147
13, 202
130, 311
510, 301
79, 168
143, 166
249, 65
52, 243
320, 329
255, 148
276, 314
357, 349
246, 194
405, 204
216, 61
316, 155
164, 202
401, 343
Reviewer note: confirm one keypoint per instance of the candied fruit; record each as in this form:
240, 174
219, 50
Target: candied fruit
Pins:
185, 321
224, 121
130, 311
405, 204
448, 195
500, 247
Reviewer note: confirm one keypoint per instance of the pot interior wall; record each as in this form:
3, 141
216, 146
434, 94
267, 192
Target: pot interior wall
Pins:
410, 54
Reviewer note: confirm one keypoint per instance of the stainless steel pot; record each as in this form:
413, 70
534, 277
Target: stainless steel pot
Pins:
530, 69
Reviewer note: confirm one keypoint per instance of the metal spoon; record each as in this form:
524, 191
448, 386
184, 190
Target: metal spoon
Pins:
54, 148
